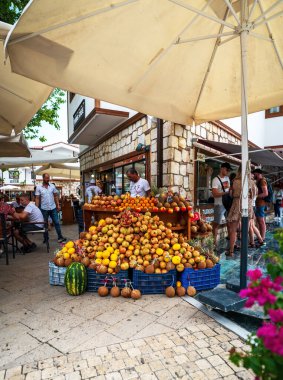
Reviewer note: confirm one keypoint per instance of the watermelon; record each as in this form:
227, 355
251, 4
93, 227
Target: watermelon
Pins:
75, 279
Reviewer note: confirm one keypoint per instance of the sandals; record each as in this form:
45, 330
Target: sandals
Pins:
252, 245
237, 247
229, 253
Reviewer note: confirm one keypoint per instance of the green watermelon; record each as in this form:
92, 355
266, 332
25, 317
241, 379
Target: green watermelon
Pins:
76, 279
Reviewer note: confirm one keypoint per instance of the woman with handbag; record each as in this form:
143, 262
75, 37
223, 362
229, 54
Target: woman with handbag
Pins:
234, 215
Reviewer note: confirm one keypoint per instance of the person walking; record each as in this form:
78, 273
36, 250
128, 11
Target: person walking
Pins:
234, 215
220, 186
92, 190
260, 202
46, 197
277, 199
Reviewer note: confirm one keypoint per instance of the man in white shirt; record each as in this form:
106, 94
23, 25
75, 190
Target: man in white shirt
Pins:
218, 184
33, 216
277, 200
139, 187
46, 195
92, 190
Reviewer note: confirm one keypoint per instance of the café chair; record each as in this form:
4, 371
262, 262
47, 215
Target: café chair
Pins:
43, 230
5, 235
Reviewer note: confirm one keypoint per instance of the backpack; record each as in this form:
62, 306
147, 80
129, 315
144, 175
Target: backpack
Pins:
269, 197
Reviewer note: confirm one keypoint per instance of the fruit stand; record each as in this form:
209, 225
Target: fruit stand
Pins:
128, 250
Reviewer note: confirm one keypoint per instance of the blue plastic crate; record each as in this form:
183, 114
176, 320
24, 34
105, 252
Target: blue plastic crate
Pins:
153, 283
95, 280
56, 274
201, 279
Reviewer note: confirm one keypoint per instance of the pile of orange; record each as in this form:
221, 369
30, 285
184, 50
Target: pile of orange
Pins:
138, 204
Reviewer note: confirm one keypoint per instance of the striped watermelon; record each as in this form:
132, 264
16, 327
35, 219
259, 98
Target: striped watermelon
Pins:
76, 279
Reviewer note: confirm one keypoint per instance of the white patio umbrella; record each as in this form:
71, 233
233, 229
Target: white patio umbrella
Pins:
62, 171
9, 187
181, 60
20, 98
37, 158
15, 146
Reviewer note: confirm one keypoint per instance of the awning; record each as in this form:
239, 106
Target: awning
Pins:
15, 146
263, 157
20, 97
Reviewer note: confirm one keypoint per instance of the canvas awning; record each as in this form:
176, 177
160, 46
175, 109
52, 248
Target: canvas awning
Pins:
15, 146
20, 97
264, 157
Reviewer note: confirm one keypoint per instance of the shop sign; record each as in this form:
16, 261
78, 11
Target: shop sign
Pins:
208, 214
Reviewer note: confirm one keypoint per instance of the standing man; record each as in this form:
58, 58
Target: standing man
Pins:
260, 202
220, 186
92, 190
46, 196
139, 187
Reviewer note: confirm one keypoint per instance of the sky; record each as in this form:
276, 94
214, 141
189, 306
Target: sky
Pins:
53, 135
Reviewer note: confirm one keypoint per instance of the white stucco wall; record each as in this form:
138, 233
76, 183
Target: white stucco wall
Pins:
256, 127
274, 131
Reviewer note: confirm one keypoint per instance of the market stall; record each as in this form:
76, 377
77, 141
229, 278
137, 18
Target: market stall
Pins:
134, 246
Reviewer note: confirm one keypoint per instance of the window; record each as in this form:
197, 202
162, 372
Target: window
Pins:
274, 112
72, 95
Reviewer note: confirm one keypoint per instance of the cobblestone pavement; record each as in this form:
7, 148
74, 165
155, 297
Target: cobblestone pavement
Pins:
46, 334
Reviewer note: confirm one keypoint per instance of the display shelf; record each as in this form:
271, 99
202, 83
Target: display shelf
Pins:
178, 228
200, 236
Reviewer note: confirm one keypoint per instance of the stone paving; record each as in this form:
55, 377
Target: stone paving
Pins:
46, 334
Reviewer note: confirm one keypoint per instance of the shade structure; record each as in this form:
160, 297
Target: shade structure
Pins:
62, 171
159, 57
9, 188
20, 97
15, 146
37, 158
181, 60
264, 157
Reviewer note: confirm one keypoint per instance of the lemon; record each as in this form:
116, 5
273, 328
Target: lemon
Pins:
98, 261
71, 250
112, 264
159, 251
99, 255
105, 254
66, 255
105, 262
110, 249
92, 228
117, 252
176, 260
70, 244
176, 247
102, 222
114, 257
178, 284
64, 249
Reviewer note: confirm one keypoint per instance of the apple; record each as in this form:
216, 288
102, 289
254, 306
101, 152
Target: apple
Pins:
170, 211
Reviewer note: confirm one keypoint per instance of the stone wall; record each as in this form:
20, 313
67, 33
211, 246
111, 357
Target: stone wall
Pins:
178, 150
124, 142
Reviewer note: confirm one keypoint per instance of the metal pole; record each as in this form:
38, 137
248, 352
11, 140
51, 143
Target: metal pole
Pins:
159, 153
245, 151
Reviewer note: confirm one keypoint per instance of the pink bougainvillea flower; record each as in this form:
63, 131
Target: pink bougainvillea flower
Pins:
255, 274
276, 315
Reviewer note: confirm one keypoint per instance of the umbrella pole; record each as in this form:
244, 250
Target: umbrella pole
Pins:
245, 152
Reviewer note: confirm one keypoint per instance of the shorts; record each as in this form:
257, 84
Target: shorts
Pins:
31, 227
259, 211
219, 213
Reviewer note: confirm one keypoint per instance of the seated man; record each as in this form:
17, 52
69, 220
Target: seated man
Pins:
34, 217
